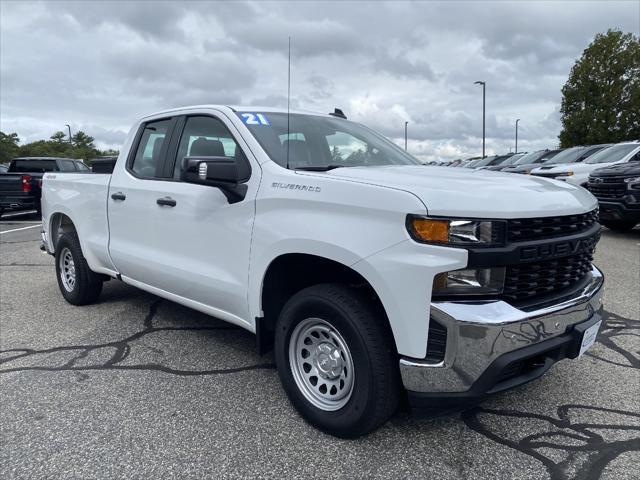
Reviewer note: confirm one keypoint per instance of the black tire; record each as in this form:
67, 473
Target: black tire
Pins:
618, 225
87, 285
376, 381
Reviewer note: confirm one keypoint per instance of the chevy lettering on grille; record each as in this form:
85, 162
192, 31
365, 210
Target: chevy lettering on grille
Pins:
558, 249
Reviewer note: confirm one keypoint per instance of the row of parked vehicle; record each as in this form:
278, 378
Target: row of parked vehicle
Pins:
21, 180
610, 171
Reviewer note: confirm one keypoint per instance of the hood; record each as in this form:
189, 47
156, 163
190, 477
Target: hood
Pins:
571, 167
521, 168
475, 193
631, 169
544, 168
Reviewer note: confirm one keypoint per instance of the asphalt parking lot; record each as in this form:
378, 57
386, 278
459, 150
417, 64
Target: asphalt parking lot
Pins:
135, 387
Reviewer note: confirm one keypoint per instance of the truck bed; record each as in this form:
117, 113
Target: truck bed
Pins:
83, 198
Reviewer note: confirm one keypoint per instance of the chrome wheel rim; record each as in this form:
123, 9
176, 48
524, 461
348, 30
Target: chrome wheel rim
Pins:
321, 364
67, 270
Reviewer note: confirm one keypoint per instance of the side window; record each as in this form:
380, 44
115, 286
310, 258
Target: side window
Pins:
147, 158
82, 167
207, 137
67, 166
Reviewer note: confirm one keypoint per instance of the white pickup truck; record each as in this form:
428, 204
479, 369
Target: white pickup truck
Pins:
373, 278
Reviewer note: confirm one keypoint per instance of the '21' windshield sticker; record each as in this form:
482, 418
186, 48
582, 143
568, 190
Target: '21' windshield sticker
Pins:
254, 119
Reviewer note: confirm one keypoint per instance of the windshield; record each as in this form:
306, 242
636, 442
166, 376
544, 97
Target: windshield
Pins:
530, 157
612, 154
512, 160
320, 142
485, 161
570, 155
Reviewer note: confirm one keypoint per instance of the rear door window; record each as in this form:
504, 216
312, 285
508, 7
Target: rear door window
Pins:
152, 145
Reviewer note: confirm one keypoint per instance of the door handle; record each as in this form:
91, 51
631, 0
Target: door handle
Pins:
118, 196
166, 201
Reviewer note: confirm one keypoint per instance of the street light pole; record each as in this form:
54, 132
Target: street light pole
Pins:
517, 135
69, 128
405, 135
484, 84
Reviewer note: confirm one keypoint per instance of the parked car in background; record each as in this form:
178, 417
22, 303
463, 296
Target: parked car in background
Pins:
570, 155
103, 164
484, 161
496, 160
20, 187
530, 161
507, 162
578, 173
3, 168
468, 161
617, 189
472, 163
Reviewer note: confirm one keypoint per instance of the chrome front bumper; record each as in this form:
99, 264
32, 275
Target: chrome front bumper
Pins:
480, 332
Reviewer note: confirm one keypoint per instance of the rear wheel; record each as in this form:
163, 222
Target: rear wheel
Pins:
77, 283
618, 225
336, 360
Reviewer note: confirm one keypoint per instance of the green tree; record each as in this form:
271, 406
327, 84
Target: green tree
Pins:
59, 137
336, 156
8, 146
82, 140
601, 99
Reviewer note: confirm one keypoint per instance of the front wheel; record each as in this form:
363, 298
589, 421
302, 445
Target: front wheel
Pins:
618, 226
337, 361
78, 284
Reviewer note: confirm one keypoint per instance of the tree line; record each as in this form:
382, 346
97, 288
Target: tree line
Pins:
81, 146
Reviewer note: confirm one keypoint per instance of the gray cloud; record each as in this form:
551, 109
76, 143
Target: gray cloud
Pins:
100, 65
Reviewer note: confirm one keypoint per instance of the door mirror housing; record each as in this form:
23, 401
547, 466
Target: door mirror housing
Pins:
220, 172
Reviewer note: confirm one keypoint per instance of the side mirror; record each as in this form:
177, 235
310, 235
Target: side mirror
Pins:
220, 172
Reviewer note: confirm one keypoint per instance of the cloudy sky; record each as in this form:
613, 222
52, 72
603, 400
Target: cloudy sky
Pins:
100, 65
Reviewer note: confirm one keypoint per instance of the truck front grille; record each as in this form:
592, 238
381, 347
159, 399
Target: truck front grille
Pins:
527, 229
607, 188
529, 280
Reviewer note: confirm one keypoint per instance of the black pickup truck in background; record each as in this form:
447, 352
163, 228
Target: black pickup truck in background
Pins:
20, 186
617, 189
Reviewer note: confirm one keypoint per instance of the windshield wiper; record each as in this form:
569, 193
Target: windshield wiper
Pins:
319, 168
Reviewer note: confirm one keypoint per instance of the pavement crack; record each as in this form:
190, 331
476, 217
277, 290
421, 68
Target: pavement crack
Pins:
588, 450
25, 264
121, 351
20, 241
614, 328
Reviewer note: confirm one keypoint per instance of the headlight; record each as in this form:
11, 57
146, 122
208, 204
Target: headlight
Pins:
566, 174
476, 281
456, 231
632, 183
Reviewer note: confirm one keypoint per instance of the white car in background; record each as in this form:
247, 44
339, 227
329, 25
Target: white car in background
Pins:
578, 173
